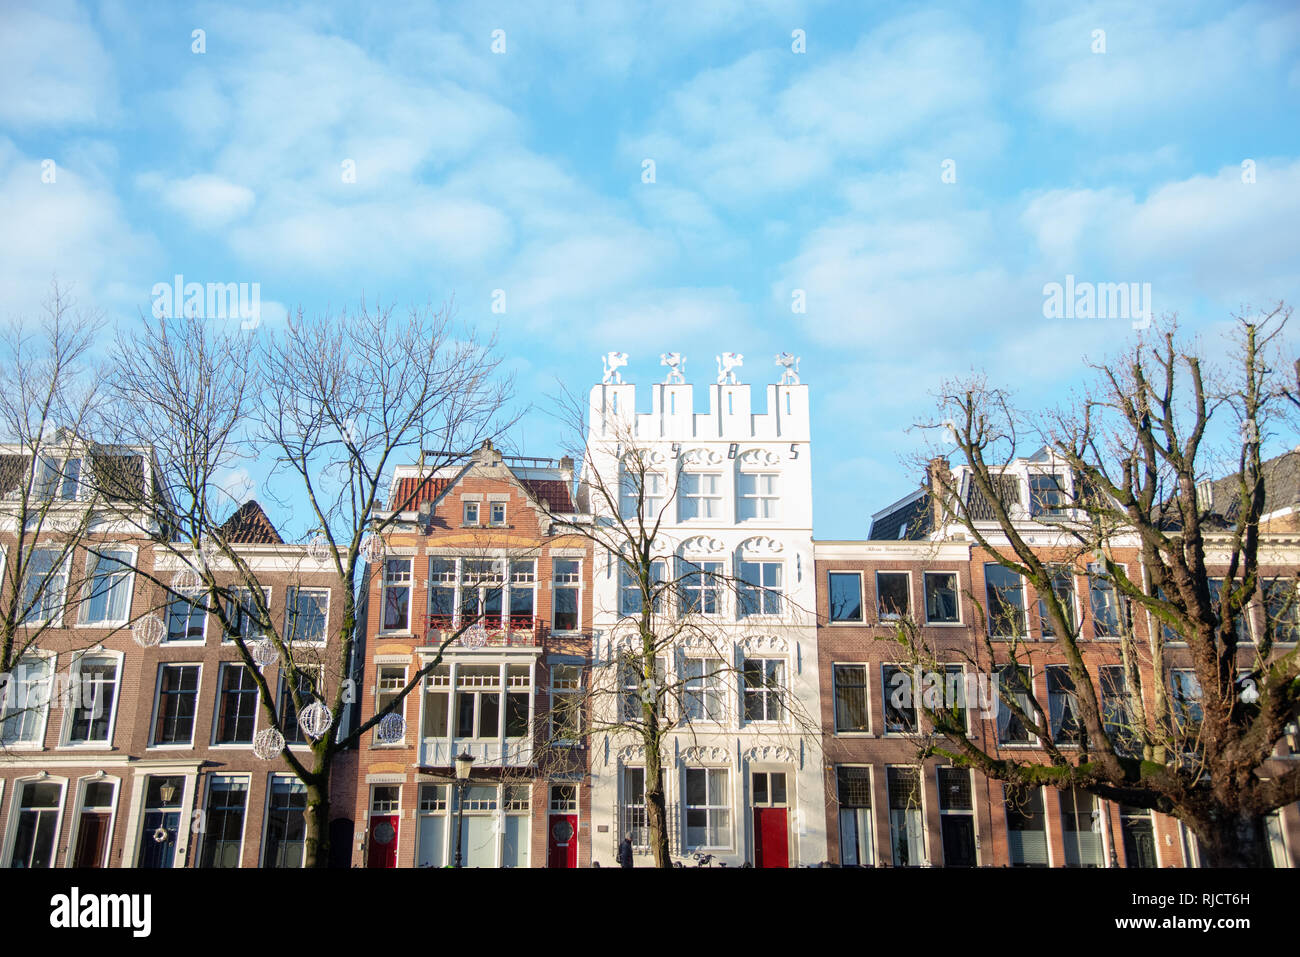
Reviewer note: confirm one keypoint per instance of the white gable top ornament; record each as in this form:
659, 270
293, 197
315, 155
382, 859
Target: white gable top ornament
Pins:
676, 363
613, 361
790, 363
728, 363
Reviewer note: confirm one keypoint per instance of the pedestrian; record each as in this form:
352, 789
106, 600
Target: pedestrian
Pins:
625, 852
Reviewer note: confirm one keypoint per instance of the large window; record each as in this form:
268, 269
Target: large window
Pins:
851, 712
108, 593
1281, 610
1026, 826
1015, 683
96, 693
764, 679
759, 495
307, 613
699, 495
906, 822
186, 617
482, 591
857, 841
893, 595
39, 803
523, 584
1239, 621
1115, 716
1063, 588
630, 594
442, 592
245, 619
25, 702
1081, 824
703, 697
759, 589
45, 586
1005, 591
634, 689
899, 700
1063, 706
481, 700
708, 808
700, 587
1105, 602
566, 580
437, 703
1046, 497
178, 694
941, 598
648, 490
566, 702
223, 828
390, 681
956, 817
633, 808
236, 705
1185, 693
308, 678
845, 602
397, 595
286, 823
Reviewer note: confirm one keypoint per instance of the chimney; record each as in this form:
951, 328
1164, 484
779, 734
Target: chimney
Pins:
937, 473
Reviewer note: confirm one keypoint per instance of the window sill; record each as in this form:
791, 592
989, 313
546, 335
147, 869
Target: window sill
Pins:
86, 746
856, 734
232, 746
171, 747
945, 624
102, 624
856, 623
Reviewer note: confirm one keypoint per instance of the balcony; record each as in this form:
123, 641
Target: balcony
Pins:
517, 631
492, 753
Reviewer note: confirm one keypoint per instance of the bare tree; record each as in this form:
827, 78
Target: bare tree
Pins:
333, 403
1138, 452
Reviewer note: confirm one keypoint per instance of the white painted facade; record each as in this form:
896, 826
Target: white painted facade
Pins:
728, 447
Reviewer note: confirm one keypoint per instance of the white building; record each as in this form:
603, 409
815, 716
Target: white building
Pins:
743, 775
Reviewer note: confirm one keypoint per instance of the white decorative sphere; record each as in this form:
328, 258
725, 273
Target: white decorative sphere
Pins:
319, 547
392, 727
263, 653
186, 580
268, 743
149, 631
373, 549
315, 720
475, 636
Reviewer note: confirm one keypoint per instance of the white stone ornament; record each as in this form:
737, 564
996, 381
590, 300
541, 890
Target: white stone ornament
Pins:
315, 720
373, 549
149, 631
612, 362
268, 743
210, 549
790, 363
186, 580
263, 653
676, 363
392, 727
475, 636
728, 363
318, 549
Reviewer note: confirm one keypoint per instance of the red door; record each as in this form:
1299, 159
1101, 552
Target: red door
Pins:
90, 840
383, 841
562, 841
771, 837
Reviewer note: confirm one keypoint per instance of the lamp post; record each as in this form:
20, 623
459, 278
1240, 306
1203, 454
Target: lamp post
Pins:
464, 762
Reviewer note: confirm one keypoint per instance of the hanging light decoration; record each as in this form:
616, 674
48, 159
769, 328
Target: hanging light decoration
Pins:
210, 549
475, 636
319, 547
268, 743
263, 653
392, 728
149, 631
373, 549
160, 835
186, 580
315, 720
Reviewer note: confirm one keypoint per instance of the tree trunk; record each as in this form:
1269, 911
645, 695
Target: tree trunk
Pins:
316, 848
1231, 839
655, 808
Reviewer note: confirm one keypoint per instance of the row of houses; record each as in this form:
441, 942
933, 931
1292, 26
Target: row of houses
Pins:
787, 746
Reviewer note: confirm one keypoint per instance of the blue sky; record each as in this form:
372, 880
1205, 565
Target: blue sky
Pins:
775, 171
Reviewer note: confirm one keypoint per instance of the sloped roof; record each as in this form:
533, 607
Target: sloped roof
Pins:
911, 520
1281, 489
422, 490
554, 494
250, 526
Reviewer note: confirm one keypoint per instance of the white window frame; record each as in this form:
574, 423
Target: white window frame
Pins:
1047, 824
709, 501
260, 632
921, 811
862, 601
11, 830
690, 569
1119, 600
492, 510
290, 611
385, 584
39, 743
280, 698
576, 587
957, 812
881, 615
380, 691
557, 691
768, 501
271, 781
195, 596
886, 692
762, 593
247, 778
710, 687
959, 623
216, 710
55, 621
1024, 605
869, 817
766, 692
654, 495
866, 694
157, 702
92, 561
709, 809
465, 509
1075, 611
74, 669
1033, 741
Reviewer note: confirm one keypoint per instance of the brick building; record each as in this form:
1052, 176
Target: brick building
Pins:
475, 544
883, 808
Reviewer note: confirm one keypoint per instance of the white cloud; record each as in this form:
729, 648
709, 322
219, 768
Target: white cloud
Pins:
53, 68
206, 201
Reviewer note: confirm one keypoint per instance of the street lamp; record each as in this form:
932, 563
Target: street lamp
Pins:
464, 762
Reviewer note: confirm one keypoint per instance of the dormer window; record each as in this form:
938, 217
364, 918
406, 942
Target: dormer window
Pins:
497, 513
1046, 497
58, 479
471, 513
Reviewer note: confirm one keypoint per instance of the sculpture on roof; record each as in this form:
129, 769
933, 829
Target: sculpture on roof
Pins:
728, 363
676, 362
613, 361
790, 363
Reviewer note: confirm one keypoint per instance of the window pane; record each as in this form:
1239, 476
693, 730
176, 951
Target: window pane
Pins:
845, 596
940, 597
892, 596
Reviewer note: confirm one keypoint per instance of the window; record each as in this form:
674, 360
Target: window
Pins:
956, 694
160, 824
845, 596
45, 585
307, 677
1081, 824
853, 790
708, 808
482, 591
1139, 837
941, 598
759, 589
1104, 601
759, 494
96, 694
108, 593
442, 592
478, 701
437, 702
906, 823
851, 712
1015, 683
389, 682
703, 698
432, 840
1115, 716
646, 489
497, 513
1046, 497
700, 495
307, 613
286, 823
566, 702
769, 789
1239, 621
1026, 826
236, 705
25, 701
566, 580
1063, 706
397, 595
57, 478
223, 825
1063, 588
523, 577
956, 817
245, 619
630, 595
517, 803
635, 824
892, 595
1005, 592
1281, 610
178, 695
470, 513
186, 618
1189, 712
700, 588
39, 804
900, 704
764, 678
635, 688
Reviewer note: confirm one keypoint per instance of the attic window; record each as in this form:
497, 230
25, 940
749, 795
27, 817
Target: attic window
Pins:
497, 513
902, 530
471, 513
